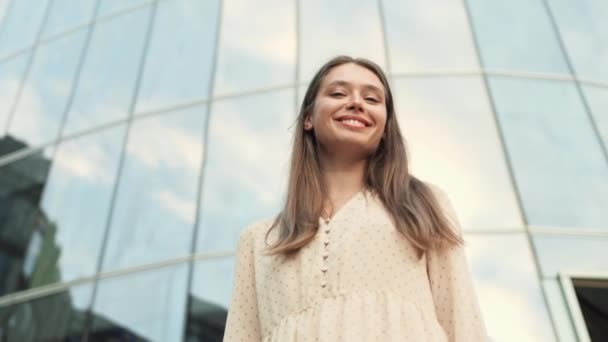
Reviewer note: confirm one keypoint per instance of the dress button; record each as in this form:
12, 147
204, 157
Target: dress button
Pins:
323, 284
326, 230
324, 269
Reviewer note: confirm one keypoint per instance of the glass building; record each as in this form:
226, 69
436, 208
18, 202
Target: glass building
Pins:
140, 137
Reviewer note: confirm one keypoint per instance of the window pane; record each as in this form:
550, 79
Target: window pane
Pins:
66, 14
508, 288
24, 226
559, 310
597, 98
330, 28
423, 35
21, 25
105, 87
517, 35
571, 254
179, 62
256, 50
584, 29
82, 177
12, 74
154, 210
246, 167
142, 306
554, 152
443, 121
47, 89
110, 6
58, 317
211, 290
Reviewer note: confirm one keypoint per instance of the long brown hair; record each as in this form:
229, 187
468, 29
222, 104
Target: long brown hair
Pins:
416, 212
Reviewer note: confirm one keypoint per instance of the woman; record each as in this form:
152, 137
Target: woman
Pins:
362, 250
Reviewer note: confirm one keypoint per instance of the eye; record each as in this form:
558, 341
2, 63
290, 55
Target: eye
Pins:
372, 99
337, 94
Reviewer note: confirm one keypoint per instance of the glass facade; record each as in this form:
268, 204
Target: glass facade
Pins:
140, 137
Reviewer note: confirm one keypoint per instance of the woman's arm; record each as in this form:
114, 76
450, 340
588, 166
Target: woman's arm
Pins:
243, 322
452, 287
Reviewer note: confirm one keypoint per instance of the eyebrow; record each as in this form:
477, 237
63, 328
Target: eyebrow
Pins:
366, 86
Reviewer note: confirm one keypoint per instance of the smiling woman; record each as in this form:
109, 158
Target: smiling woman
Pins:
362, 250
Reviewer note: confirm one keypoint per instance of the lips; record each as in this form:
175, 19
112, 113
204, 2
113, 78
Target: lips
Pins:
354, 120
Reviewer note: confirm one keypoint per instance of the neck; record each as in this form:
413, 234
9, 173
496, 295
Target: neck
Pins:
342, 178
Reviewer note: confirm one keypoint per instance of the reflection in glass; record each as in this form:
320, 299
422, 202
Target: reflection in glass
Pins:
584, 30
58, 317
443, 121
20, 27
256, 50
47, 89
103, 96
559, 310
82, 177
211, 290
67, 14
516, 35
180, 57
246, 168
571, 254
426, 34
330, 28
154, 210
554, 151
143, 306
28, 250
597, 98
107, 7
508, 289
12, 74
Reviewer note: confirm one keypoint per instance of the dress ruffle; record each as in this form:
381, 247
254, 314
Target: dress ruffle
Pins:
369, 316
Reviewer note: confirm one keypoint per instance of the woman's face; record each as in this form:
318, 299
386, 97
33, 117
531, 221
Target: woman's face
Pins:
350, 111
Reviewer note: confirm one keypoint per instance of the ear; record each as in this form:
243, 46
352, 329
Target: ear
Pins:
308, 122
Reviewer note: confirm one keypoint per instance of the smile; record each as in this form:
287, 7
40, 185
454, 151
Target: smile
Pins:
353, 122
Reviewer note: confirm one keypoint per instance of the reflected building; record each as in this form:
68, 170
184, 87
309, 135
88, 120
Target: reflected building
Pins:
141, 137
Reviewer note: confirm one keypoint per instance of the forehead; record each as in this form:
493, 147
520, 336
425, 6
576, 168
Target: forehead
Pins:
353, 74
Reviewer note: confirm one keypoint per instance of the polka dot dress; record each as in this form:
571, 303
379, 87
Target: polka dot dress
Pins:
358, 280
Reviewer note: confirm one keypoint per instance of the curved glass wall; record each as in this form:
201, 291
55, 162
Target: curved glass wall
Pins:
140, 137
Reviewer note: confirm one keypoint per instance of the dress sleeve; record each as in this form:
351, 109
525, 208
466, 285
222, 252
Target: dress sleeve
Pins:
454, 296
243, 324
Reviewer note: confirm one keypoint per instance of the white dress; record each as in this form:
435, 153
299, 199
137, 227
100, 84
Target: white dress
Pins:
358, 280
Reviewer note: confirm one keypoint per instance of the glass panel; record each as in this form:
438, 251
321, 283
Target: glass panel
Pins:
83, 177
211, 291
246, 167
180, 57
24, 226
559, 311
554, 151
58, 317
423, 35
508, 288
517, 35
142, 306
443, 121
110, 6
66, 14
12, 75
21, 25
571, 254
105, 88
47, 90
584, 29
597, 98
154, 211
256, 50
330, 28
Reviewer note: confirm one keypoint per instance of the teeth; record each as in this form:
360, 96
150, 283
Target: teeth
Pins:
354, 122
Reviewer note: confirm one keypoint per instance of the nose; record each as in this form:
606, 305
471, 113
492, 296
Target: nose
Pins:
356, 103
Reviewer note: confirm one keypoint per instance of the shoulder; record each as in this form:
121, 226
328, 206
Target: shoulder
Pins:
256, 230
